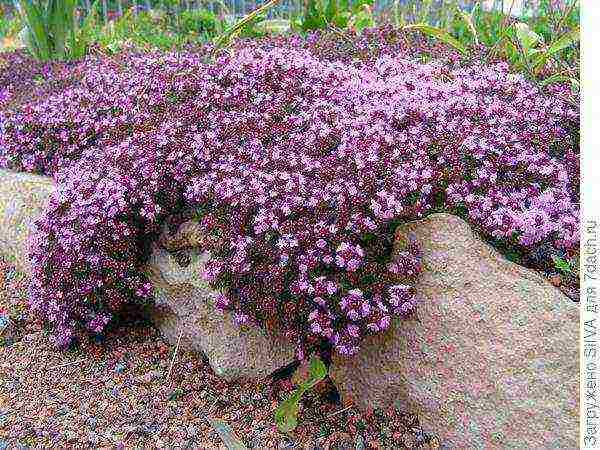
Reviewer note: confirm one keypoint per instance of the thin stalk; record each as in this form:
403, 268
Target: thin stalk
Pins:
221, 40
503, 28
567, 13
105, 11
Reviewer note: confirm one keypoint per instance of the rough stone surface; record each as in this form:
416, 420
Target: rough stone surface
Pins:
490, 362
185, 305
23, 198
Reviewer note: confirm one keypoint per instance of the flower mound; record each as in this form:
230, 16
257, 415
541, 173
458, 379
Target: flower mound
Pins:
297, 168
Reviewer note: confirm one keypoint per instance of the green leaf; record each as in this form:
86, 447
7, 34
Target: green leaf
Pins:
562, 264
563, 42
286, 414
276, 26
228, 34
439, 34
37, 37
527, 38
318, 371
227, 436
560, 79
467, 18
555, 47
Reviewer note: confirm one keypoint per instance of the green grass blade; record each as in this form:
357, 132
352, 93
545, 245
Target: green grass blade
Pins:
399, 14
439, 34
60, 15
425, 10
82, 37
468, 19
224, 38
560, 79
560, 44
563, 42
33, 17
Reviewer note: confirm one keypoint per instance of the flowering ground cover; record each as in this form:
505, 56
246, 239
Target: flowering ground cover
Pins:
124, 393
297, 160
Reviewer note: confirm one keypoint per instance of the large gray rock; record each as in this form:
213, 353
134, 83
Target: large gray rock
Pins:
23, 198
185, 305
490, 362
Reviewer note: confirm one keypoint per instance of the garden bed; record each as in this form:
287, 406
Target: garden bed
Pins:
293, 166
116, 394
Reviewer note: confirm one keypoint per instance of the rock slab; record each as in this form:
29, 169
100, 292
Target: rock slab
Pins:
185, 306
490, 362
23, 198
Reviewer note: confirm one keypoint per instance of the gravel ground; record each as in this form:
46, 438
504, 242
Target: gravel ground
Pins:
123, 393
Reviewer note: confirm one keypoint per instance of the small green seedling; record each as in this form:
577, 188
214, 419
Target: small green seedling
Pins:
286, 415
176, 395
563, 265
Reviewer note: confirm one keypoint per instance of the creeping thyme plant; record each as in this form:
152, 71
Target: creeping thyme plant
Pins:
298, 160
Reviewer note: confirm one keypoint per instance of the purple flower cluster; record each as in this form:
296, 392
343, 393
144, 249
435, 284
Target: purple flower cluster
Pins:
298, 168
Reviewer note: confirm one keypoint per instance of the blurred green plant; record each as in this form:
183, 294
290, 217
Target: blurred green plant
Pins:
531, 53
286, 415
10, 26
52, 30
565, 266
439, 34
9, 31
323, 14
199, 21
146, 30
544, 46
245, 27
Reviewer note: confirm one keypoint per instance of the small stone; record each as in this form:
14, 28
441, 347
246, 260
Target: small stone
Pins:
555, 280
191, 431
150, 377
434, 444
92, 422
120, 368
23, 198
